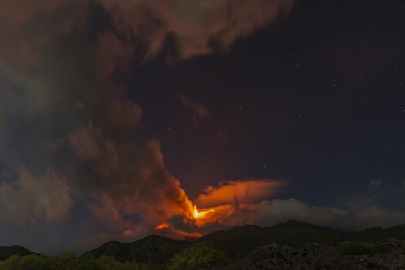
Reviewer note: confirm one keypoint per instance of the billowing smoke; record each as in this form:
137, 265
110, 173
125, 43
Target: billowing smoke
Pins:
237, 202
69, 116
65, 117
199, 27
66, 122
30, 199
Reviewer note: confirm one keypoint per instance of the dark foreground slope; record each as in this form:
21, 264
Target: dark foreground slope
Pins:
239, 241
151, 249
157, 252
386, 255
6, 252
236, 242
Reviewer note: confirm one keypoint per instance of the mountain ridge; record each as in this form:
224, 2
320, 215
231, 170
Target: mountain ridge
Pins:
236, 242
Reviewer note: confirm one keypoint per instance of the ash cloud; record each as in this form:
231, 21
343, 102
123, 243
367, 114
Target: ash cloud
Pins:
250, 191
236, 202
68, 111
246, 202
199, 27
30, 199
66, 118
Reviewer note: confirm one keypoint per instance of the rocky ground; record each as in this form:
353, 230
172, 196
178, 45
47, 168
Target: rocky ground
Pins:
385, 255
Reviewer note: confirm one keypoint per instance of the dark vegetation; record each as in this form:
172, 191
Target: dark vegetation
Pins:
6, 252
215, 249
198, 256
358, 248
151, 249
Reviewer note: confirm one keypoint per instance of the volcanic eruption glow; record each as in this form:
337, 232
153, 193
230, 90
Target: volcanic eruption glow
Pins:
198, 218
201, 214
162, 226
232, 203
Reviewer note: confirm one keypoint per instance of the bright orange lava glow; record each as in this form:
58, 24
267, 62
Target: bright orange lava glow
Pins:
231, 203
201, 214
162, 226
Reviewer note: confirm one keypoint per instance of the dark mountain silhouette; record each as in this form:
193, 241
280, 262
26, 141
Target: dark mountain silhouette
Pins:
6, 252
152, 248
298, 225
236, 242
239, 241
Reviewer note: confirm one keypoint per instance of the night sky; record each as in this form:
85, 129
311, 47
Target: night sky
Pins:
115, 116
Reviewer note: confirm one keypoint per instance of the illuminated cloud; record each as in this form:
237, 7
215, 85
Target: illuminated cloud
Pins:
167, 229
236, 202
71, 115
77, 122
131, 182
79, 118
247, 192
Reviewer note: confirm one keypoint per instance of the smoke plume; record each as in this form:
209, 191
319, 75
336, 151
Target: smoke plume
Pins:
65, 117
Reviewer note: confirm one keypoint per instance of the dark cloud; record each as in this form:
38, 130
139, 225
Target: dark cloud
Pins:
27, 28
1, 116
66, 123
67, 119
380, 204
277, 211
196, 25
30, 199
383, 194
198, 109
376, 182
69, 113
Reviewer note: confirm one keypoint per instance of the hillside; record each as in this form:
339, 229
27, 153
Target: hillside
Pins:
386, 255
156, 252
150, 249
6, 252
239, 241
294, 225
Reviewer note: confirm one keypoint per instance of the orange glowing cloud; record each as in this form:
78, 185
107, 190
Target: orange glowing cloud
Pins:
201, 214
162, 226
234, 202
245, 192
166, 229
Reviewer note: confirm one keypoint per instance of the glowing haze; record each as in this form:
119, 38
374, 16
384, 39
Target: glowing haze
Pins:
78, 163
65, 132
